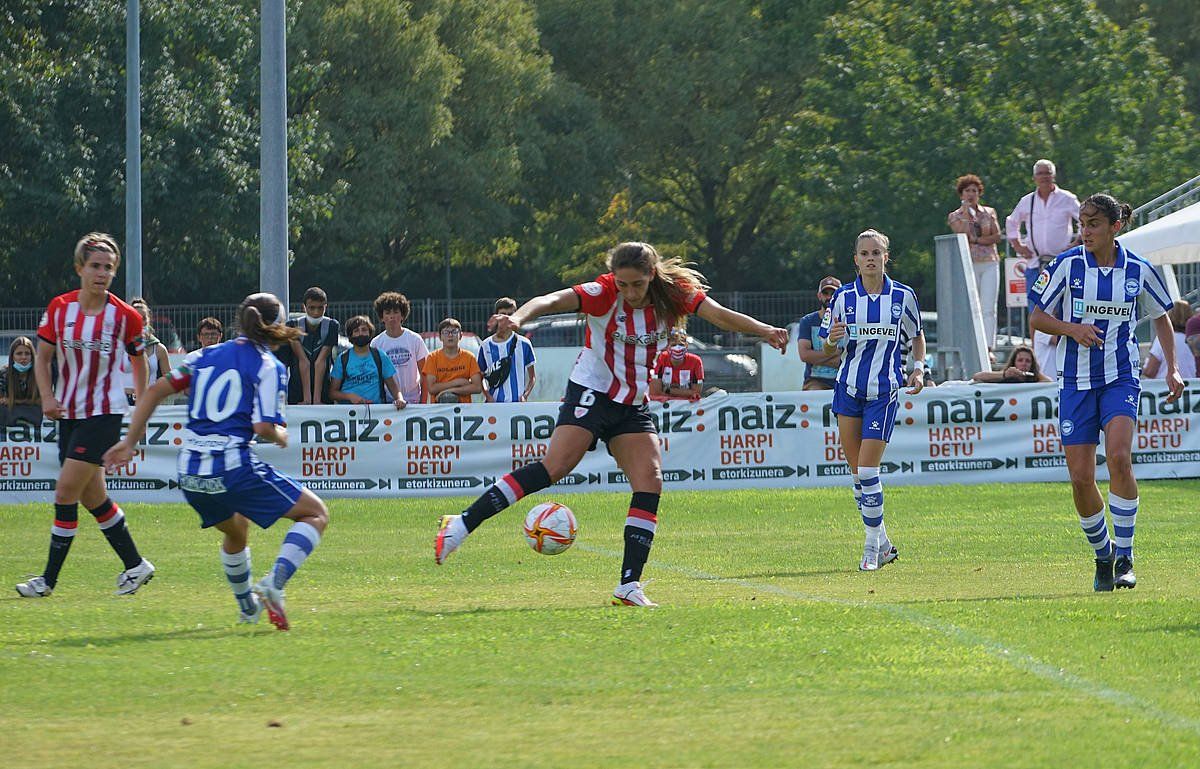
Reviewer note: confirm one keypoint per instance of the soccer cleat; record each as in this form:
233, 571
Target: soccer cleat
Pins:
887, 554
251, 618
870, 559
130, 580
272, 600
1123, 571
1104, 575
631, 594
34, 587
451, 533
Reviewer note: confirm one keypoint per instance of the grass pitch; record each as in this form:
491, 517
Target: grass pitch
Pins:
983, 646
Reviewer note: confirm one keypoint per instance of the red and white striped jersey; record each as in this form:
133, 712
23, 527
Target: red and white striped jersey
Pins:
90, 352
622, 341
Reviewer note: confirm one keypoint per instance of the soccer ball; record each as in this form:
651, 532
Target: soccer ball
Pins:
550, 528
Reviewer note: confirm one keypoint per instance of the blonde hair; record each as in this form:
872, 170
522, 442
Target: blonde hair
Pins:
1179, 313
672, 281
872, 233
96, 241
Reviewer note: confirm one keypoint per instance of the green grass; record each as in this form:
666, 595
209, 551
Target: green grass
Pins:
983, 646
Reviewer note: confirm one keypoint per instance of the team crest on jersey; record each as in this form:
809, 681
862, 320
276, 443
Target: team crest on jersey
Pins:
1132, 286
1043, 280
897, 311
1067, 427
592, 289
580, 412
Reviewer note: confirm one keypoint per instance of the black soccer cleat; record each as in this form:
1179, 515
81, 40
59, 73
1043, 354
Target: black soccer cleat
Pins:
1123, 571
1104, 575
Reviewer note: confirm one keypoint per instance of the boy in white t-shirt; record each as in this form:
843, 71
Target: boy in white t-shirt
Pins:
403, 346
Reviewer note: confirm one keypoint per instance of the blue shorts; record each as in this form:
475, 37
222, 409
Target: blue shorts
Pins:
878, 415
1082, 414
256, 491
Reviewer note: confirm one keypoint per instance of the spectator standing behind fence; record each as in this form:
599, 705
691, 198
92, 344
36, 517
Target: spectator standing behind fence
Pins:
363, 374
1153, 368
1020, 368
1192, 335
157, 362
19, 394
209, 331
820, 368
1049, 217
982, 228
506, 360
451, 375
677, 374
309, 358
403, 346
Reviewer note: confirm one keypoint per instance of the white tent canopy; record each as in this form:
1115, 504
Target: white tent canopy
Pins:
1173, 239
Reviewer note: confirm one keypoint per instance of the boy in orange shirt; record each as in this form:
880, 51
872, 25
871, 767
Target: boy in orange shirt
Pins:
451, 376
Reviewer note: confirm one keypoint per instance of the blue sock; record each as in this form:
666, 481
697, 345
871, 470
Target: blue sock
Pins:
1096, 530
872, 504
1124, 518
237, 571
297, 546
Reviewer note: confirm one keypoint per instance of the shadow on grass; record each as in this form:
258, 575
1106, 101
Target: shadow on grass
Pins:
83, 642
775, 574
992, 598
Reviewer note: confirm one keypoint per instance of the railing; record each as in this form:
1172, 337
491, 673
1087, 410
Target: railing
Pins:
176, 324
1168, 202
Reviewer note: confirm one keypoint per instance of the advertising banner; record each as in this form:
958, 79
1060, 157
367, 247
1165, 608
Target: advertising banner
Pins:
957, 434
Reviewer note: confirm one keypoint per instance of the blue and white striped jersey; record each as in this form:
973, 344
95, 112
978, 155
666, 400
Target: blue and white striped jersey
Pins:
234, 384
1074, 289
880, 331
509, 391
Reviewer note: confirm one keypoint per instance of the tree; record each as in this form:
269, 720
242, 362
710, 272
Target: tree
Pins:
63, 107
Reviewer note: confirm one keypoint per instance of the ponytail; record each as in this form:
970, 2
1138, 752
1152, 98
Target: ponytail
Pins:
259, 320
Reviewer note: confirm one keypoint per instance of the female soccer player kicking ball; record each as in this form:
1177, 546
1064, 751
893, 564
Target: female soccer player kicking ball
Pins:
238, 389
89, 332
631, 309
876, 319
1088, 297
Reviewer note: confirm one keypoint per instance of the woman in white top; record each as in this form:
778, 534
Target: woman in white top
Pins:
1153, 367
157, 363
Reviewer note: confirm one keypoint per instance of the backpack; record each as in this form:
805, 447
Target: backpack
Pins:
378, 369
498, 372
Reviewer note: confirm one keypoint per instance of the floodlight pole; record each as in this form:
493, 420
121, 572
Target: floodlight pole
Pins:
133, 152
273, 203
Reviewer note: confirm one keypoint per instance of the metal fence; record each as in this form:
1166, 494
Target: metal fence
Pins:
176, 324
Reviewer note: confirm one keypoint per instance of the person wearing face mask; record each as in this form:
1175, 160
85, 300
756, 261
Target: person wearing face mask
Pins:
820, 368
677, 373
19, 393
363, 374
308, 358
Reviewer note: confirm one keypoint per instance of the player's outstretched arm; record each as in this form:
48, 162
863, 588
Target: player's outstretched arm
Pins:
731, 320
564, 300
122, 452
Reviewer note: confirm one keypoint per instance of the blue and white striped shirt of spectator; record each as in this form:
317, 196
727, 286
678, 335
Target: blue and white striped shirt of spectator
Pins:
491, 351
880, 329
234, 385
1074, 289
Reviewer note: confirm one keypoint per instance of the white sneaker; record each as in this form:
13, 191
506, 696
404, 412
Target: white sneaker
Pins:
870, 559
887, 554
130, 580
272, 600
631, 594
251, 618
35, 587
451, 533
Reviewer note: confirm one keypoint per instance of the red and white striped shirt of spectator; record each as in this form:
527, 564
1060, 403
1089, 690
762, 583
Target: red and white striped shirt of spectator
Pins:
90, 350
622, 342
679, 374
